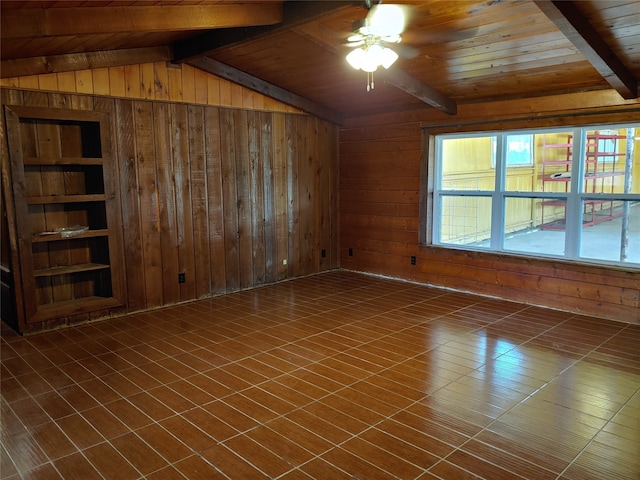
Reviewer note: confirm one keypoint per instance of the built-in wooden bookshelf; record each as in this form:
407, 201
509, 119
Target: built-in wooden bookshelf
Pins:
64, 197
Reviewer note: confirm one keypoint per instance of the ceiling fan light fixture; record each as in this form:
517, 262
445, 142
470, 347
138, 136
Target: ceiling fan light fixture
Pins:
356, 58
370, 57
388, 57
382, 26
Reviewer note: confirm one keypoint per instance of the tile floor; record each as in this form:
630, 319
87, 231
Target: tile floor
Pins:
335, 376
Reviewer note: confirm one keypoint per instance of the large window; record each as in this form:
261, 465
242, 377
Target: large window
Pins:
570, 193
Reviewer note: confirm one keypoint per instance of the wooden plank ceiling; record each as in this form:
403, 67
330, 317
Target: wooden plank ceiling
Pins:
465, 50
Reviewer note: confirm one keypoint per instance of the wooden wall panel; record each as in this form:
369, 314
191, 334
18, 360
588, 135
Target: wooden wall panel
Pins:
293, 198
215, 194
256, 187
281, 194
243, 198
305, 192
211, 192
149, 199
380, 161
152, 81
198, 187
265, 176
130, 201
230, 199
182, 184
167, 221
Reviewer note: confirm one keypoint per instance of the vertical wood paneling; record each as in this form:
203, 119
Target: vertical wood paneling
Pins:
312, 125
305, 192
280, 192
182, 180
225, 93
147, 81
237, 94
127, 169
112, 190
199, 201
323, 200
293, 200
188, 84
100, 77
67, 82
212, 192
49, 81
213, 90
229, 199
243, 192
161, 81
256, 189
149, 203
175, 84
266, 159
167, 204
117, 82
333, 164
132, 81
60, 100
181, 83
28, 82
200, 87
84, 81
213, 125
85, 102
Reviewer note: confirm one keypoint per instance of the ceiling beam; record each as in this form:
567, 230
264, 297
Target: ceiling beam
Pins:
576, 27
222, 70
42, 22
414, 87
394, 75
294, 13
81, 61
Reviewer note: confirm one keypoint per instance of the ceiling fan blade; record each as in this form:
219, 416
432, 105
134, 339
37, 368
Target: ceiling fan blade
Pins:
359, 43
434, 37
404, 51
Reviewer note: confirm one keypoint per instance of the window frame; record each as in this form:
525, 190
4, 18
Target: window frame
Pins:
574, 197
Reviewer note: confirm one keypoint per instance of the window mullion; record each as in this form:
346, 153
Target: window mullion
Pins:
497, 197
573, 219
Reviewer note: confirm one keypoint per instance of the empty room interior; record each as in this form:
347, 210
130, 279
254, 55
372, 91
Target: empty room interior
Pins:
297, 240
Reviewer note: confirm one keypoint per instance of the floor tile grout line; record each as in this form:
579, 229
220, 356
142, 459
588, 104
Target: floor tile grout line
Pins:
483, 429
535, 392
360, 321
608, 421
377, 338
371, 375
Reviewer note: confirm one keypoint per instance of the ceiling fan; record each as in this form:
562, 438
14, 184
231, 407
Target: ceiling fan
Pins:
376, 39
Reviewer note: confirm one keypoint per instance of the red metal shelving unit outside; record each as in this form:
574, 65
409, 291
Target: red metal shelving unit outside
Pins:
601, 158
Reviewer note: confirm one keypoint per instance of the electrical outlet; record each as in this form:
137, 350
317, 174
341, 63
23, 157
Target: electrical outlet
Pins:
284, 262
413, 260
323, 253
351, 252
182, 277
